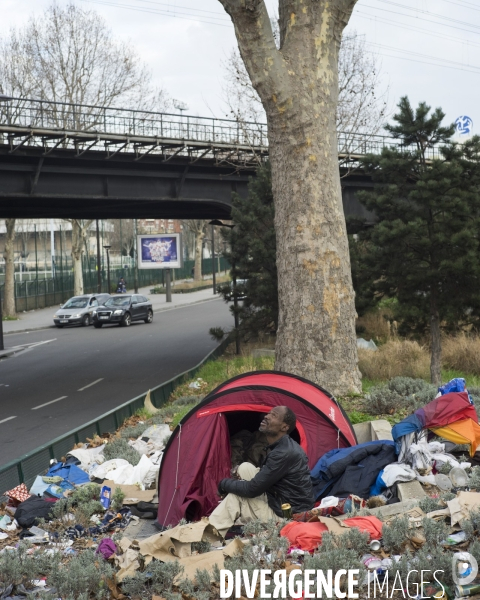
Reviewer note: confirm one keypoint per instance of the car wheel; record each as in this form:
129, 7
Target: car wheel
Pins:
126, 321
97, 325
58, 326
86, 320
149, 318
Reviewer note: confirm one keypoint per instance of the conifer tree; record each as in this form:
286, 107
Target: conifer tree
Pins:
253, 254
424, 248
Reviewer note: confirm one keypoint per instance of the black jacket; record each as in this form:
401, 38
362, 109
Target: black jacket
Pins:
284, 477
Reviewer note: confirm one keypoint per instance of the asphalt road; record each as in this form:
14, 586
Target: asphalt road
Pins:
79, 373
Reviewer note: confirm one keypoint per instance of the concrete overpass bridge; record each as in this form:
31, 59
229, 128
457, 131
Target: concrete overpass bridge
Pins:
65, 160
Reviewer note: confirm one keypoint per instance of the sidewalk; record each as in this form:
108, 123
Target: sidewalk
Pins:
43, 317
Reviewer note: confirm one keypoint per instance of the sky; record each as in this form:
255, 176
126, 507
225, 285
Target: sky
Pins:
428, 50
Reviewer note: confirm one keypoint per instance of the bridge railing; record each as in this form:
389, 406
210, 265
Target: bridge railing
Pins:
62, 116
119, 121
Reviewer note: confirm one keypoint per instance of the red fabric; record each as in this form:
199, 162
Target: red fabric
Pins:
304, 389
448, 409
252, 408
203, 461
308, 536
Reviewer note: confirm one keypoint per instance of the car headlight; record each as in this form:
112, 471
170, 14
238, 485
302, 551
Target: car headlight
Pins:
118, 312
55, 316
76, 316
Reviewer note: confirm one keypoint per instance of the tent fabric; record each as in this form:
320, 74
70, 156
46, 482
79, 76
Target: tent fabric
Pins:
299, 386
448, 409
197, 455
442, 411
461, 432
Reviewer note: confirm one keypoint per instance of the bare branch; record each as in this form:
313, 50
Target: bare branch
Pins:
256, 43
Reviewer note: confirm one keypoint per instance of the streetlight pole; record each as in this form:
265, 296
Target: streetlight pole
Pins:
235, 295
135, 264
99, 264
107, 248
3, 98
213, 261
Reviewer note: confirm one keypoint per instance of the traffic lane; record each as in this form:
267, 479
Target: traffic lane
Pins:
127, 361
78, 356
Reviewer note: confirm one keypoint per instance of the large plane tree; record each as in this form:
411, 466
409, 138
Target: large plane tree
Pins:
297, 83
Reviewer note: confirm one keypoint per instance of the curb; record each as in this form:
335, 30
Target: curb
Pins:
161, 309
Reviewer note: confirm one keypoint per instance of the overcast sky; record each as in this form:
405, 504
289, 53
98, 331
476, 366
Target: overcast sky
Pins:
429, 49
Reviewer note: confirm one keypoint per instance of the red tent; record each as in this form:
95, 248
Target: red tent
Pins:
197, 455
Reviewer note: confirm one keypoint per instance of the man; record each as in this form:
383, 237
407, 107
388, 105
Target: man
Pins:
283, 478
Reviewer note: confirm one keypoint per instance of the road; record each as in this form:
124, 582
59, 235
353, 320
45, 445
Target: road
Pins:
73, 375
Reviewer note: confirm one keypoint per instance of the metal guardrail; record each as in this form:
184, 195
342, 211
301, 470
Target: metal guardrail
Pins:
26, 468
85, 127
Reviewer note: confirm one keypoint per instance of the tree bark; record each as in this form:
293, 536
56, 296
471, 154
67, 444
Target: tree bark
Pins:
436, 343
9, 255
298, 86
199, 235
78, 237
77, 250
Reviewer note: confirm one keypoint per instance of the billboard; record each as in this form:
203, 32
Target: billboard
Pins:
160, 251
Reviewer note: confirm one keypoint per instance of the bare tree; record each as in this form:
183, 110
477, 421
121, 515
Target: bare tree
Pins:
9, 255
68, 54
298, 87
362, 100
123, 236
79, 236
198, 228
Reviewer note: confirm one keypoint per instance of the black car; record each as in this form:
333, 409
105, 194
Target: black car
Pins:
124, 309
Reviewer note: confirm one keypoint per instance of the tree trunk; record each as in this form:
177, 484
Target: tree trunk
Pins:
9, 255
436, 344
77, 250
298, 86
199, 235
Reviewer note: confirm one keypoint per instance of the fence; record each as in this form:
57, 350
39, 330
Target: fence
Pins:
40, 293
26, 468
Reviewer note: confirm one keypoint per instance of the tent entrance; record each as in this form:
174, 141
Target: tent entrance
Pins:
247, 443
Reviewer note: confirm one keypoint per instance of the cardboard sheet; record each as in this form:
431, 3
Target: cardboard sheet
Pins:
128, 563
133, 495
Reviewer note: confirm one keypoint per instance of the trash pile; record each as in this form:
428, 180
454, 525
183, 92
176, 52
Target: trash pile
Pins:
391, 508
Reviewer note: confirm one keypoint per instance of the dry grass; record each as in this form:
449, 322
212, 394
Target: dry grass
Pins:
462, 353
375, 325
395, 358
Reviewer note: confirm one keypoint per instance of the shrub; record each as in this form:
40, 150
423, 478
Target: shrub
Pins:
428, 504
132, 432
157, 579
393, 359
462, 353
395, 534
434, 531
118, 498
17, 567
83, 576
398, 393
120, 448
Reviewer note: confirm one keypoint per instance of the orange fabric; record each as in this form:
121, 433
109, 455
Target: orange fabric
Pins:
308, 536
461, 432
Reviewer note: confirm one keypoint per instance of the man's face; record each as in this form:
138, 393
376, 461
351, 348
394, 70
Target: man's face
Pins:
272, 423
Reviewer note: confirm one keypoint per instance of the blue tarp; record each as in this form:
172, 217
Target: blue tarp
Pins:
70, 473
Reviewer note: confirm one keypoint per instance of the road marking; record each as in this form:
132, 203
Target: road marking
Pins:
8, 419
90, 385
51, 402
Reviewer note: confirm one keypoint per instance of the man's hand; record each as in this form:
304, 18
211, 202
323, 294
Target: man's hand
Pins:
221, 490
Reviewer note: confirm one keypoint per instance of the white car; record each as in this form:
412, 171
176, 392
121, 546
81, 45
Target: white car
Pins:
79, 310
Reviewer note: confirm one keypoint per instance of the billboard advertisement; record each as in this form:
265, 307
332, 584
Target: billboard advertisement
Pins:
160, 251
